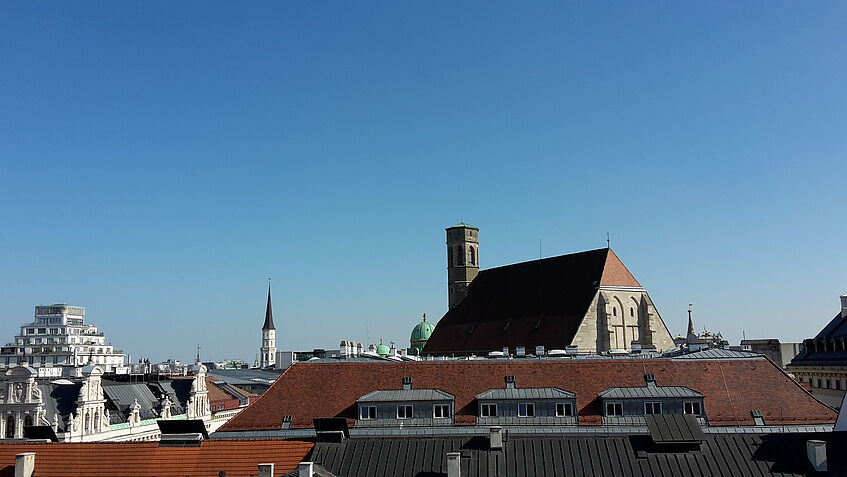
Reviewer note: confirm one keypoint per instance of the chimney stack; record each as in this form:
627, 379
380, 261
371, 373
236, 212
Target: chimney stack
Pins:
816, 452
454, 464
843, 306
25, 464
496, 438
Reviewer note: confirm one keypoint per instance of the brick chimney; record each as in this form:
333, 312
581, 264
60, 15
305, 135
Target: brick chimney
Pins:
844, 306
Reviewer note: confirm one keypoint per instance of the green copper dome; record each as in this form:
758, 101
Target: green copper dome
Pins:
383, 349
421, 333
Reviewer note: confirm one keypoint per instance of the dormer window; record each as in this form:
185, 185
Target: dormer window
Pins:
692, 407
404, 411
441, 411
564, 409
652, 407
488, 410
367, 412
526, 409
614, 409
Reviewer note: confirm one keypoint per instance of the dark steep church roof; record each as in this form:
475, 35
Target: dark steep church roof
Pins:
538, 303
269, 314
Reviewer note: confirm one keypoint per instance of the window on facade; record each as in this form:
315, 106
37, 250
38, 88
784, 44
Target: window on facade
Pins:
488, 410
614, 312
631, 311
473, 255
828, 384
614, 409
564, 409
10, 427
404, 411
838, 384
692, 407
526, 409
28, 421
441, 410
460, 256
367, 412
652, 408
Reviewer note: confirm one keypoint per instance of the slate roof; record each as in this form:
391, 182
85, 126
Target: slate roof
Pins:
674, 428
123, 396
835, 329
731, 388
59, 399
406, 395
726, 455
525, 393
269, 314
148, 459
649, 392
537, 303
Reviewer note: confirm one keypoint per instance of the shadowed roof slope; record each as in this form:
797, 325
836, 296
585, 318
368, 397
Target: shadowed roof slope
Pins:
528, 304
147, 459
731, 388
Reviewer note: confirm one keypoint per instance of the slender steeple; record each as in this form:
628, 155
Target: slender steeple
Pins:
692, 334
267, 352
269, 312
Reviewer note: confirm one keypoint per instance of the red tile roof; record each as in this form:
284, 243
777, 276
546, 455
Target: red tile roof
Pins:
147, 459
731, 388
538, 303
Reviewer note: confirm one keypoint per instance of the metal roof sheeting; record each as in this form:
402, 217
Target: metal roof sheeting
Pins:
718, 353
649, 392
601, 456
406, 395
526, 393
674, 428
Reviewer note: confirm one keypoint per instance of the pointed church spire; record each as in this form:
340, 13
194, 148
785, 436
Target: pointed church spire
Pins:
692, 334
269, 312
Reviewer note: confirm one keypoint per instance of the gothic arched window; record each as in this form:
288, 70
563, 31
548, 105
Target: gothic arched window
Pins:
96, 425
460, 256
87, 422
614, 312
473, 256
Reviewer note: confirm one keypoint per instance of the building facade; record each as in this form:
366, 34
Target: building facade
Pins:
59, 336
822, 361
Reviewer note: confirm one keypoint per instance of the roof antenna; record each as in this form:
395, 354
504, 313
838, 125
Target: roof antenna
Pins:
608, 240
539, 249
198, 353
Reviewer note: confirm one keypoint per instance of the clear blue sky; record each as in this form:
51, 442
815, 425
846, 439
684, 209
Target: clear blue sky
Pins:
159, 160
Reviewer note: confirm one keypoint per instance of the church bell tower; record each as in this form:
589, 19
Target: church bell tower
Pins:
267, 355
462, 261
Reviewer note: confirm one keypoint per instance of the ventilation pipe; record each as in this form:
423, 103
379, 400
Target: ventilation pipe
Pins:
454, 464
25, 464
496, 438
816, 452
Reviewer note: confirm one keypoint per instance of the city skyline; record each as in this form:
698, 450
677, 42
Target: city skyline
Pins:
160, 164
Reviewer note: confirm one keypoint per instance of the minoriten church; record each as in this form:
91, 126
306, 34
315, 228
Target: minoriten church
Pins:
588, 300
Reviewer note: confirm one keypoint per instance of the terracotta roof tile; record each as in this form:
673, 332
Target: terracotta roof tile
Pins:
731, 388
147, 459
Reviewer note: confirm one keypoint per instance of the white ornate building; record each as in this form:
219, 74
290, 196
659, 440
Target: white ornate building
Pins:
59, 336
92, 408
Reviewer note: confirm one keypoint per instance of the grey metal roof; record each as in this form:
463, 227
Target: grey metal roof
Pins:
123, 395
674, 428
718, 353
526, 393
406, 395
603, 456
649, 392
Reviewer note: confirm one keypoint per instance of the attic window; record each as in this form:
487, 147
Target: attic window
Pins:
650, 378
757, 417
